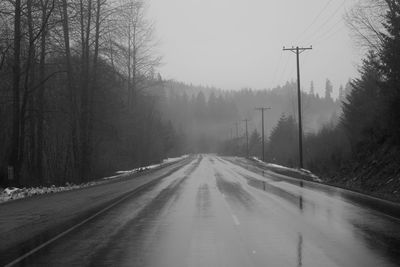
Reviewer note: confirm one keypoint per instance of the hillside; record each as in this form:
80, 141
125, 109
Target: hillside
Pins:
317, 111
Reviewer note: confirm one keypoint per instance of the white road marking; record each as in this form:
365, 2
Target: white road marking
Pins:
235, 219
72, 228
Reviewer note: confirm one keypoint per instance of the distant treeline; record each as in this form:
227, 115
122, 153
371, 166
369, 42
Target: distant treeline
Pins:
353, 140
80, 99
209, 117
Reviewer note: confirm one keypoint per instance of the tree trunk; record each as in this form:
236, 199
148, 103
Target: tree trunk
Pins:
30, 78
40, 96
85, 103
129, 69
75, 159
14, 148
93, 87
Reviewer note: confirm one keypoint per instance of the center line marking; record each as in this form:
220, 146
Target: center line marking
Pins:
235, 219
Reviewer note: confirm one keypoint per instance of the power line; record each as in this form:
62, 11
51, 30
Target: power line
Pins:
329, 30
276, 69
326, 21
284, 70
315, 19
329, 36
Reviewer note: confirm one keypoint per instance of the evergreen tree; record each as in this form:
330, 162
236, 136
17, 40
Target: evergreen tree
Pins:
348, 88
312, 88
200, 105
390, 57
341, 93
282, 145
328, 89
255, 144
363, 107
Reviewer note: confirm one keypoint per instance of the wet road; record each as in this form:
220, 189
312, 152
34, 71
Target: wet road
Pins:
217, 212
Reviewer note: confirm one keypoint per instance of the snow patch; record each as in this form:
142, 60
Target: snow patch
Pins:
283, 168
145, 168
12, 193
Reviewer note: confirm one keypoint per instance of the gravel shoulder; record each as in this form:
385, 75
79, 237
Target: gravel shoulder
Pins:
30, 221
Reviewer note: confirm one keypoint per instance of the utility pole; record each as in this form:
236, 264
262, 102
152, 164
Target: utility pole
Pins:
236, 144
237, 129
247, 139
262, 129
298, 50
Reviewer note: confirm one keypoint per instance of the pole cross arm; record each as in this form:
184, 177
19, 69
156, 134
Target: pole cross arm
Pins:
294, 49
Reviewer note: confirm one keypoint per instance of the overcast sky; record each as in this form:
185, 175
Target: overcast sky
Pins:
233, 44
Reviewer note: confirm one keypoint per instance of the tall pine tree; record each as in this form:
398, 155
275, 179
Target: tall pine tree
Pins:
363, 107
390, 55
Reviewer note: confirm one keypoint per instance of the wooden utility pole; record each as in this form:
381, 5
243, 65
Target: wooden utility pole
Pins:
262, 129
237, 129
298, 50
247, 139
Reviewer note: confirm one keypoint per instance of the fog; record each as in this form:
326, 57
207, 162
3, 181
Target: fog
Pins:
233, 44
94, 91
175, 132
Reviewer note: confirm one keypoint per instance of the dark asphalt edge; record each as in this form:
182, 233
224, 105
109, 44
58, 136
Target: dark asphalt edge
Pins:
102, 181
386, 207
10, 256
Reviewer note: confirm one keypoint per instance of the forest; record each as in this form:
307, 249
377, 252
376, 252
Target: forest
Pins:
352, 141
76, 91
361, 150
210, 117
81, 98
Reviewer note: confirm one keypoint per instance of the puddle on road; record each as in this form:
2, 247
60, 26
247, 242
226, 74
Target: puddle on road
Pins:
203, 201
295, 199
234, 191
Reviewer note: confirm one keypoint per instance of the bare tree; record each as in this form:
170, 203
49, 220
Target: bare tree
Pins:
14, 160
137, 46
365, 19
63, 66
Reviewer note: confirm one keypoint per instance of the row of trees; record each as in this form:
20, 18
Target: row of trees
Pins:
201, 119
325, 151
207, 116
74, 90
367, 135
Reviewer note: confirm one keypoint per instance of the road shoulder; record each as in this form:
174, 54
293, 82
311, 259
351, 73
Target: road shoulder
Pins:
29, 222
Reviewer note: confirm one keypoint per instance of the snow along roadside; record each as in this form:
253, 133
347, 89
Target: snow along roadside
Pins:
13, 193
304, 172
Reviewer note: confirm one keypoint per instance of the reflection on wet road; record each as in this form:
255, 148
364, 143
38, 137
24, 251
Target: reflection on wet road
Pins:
214, 212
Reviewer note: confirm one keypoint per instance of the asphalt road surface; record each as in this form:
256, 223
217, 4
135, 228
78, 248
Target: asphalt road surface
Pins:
220, 212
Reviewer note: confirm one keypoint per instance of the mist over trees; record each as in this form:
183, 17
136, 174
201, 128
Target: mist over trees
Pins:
356, 135
212, 119
371, 111
81, 98
364, 144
